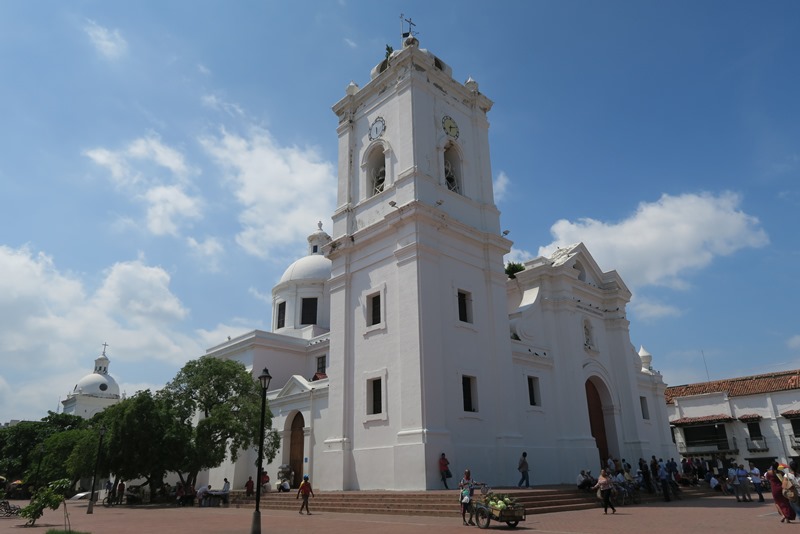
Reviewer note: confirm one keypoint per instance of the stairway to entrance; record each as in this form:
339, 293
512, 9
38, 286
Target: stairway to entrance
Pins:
537, 500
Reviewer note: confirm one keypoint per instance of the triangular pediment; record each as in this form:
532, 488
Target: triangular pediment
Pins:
298, 385
578, 257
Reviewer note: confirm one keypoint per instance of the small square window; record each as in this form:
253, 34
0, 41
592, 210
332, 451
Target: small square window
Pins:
321, 364
645, 409
281, 322
308, 314
374, 396
469, 388
464, 306
533, 391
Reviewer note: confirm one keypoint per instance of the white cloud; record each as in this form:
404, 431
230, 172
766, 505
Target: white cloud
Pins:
139, 170
202, 69
50, 320
209, 251
167, 205
284, 190
350, 43
518, 255
501, 184
793, 342
109, 43
216, 103
648, 309
664, 241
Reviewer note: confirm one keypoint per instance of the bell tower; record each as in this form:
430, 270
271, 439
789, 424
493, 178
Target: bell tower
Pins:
419, 325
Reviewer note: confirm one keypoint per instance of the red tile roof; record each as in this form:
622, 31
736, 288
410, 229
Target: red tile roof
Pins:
791, 414
738, 387
719, 418
749, 417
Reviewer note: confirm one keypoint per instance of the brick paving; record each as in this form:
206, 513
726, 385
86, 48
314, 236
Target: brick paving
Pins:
711, 514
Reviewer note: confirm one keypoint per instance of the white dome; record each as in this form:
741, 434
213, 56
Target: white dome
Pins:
97, 385
309, 268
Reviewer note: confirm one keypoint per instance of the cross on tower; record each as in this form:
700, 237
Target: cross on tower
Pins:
410, 32
104, 348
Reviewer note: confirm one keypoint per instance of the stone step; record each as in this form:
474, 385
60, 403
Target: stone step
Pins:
442, 503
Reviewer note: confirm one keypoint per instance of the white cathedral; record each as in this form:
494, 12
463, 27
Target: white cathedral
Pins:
401, 337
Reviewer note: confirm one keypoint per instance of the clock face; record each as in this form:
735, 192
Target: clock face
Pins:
450, 127
377, 128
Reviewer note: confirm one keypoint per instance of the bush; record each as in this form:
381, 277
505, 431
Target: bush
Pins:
50, 496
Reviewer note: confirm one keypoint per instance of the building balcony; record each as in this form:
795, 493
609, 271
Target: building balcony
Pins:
708, 447
757, 444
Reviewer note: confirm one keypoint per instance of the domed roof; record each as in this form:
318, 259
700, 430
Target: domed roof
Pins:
314, 267
97, 385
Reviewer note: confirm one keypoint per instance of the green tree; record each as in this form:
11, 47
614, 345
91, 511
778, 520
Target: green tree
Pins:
22, 446
218, 403
141, 439
512, 268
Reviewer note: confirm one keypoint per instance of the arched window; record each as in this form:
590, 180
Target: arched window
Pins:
452, 170
376, 171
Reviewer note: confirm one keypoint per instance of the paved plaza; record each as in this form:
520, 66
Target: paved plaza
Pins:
712, 514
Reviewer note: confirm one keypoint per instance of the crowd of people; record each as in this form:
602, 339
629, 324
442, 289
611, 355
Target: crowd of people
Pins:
724, 475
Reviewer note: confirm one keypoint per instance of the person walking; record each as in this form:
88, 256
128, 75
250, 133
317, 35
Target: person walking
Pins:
605, 485
523, 469
775, 480
305, 490
444, 470
467, 487
248, 487
755, 476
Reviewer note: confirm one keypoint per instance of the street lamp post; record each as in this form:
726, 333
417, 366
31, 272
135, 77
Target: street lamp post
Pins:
90, 509
264, 378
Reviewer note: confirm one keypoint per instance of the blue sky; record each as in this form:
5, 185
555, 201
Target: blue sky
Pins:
163, 163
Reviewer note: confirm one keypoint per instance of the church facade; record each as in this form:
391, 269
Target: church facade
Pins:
401, 337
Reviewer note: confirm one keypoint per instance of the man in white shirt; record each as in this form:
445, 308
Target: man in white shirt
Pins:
583, 481
755, 476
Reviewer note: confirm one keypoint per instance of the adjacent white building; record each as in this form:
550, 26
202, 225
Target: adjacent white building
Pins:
750, 418
401, 337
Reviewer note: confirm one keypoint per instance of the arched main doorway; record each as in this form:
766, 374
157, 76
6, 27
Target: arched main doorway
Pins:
296, 442
597, 420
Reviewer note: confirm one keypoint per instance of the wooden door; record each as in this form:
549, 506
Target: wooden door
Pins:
296, 442
597, 420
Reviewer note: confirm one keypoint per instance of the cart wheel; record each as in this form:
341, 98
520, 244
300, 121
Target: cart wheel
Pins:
482, 517
512, 524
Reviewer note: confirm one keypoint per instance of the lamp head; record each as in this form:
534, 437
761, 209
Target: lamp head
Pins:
265, 378
392, 203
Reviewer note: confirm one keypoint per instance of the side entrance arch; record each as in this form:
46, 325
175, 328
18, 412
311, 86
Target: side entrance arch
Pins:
296, 449
597, 420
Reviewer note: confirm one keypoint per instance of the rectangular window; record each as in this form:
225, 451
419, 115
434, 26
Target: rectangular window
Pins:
464, 306
308, 314
796, 427
645, 409
470, 393
374, 311
374, 396
754, 429
320, 364
281, 315
533, 391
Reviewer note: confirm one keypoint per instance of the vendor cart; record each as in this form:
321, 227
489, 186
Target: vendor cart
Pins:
510, 514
